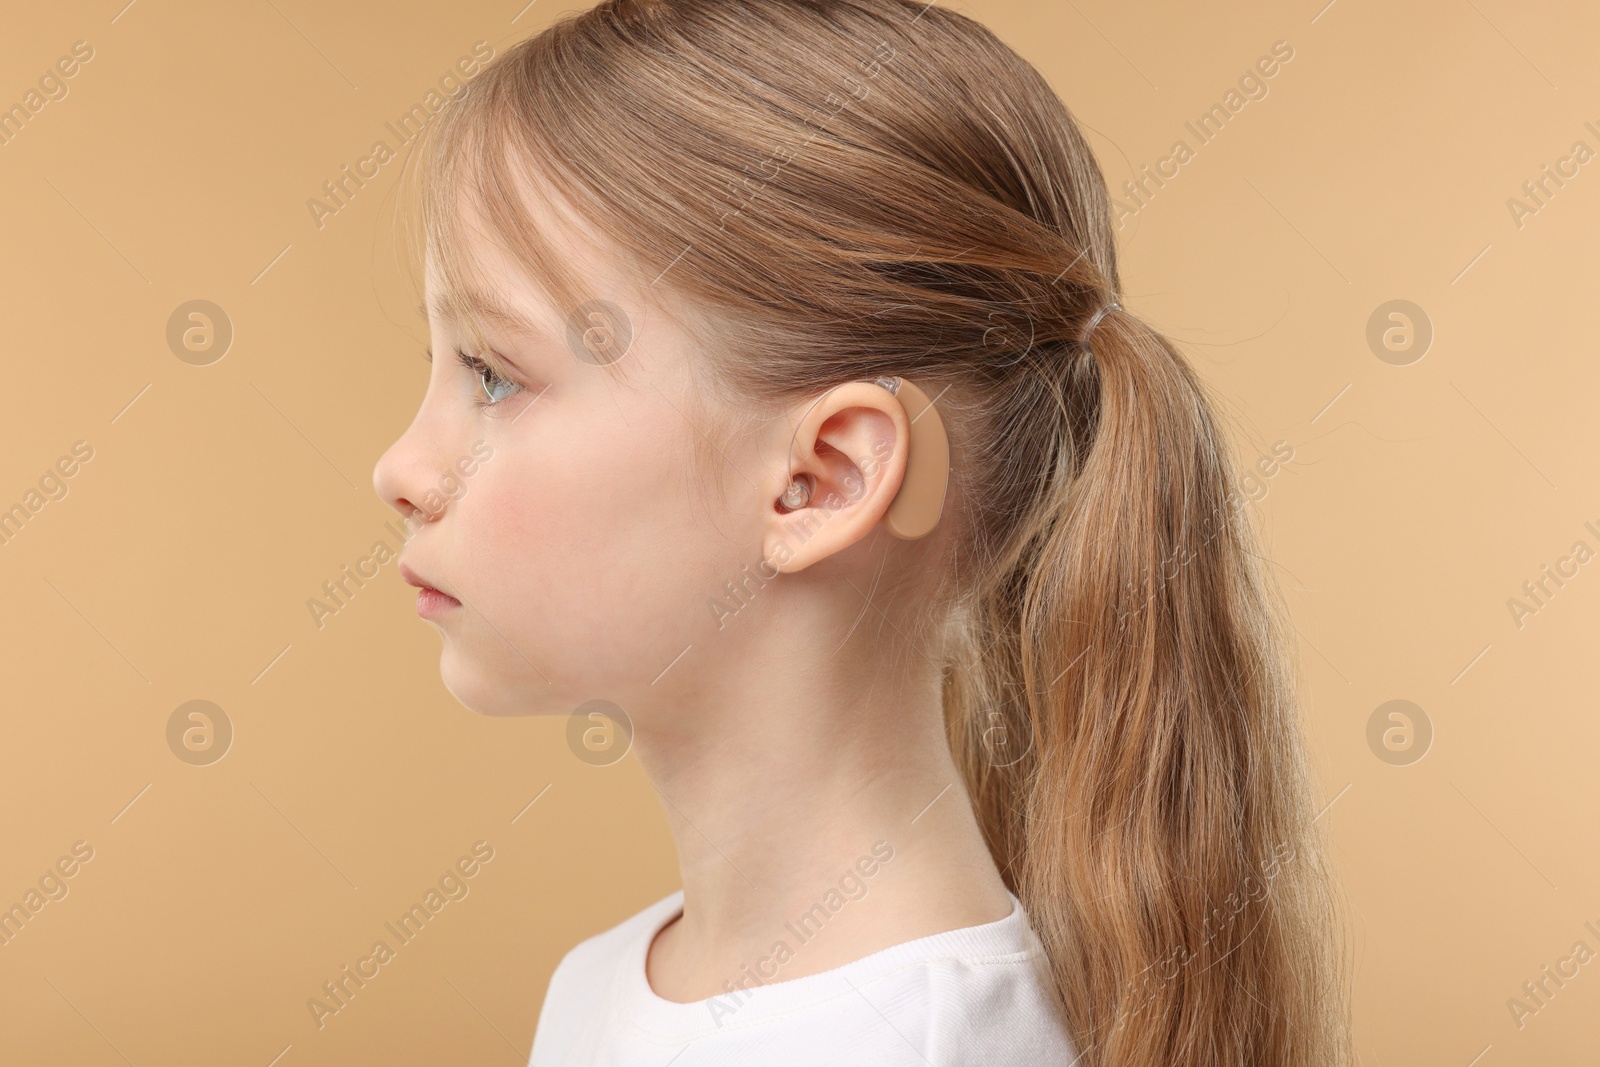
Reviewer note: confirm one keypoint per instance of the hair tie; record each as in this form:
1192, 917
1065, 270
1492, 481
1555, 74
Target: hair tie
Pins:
1083, 338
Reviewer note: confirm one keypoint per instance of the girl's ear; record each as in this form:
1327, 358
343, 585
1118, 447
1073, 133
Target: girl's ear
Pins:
850, 449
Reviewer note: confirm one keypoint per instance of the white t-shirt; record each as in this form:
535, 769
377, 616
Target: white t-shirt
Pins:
977, 995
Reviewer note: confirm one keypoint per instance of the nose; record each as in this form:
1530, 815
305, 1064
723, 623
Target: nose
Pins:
406, 478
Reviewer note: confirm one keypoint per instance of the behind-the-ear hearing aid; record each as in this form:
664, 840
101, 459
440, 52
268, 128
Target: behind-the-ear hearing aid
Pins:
916, 508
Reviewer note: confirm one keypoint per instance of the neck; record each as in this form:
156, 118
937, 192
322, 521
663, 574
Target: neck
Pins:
817, 820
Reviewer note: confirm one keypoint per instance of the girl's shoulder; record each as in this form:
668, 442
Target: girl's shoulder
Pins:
600, 955
596, 960
584, 986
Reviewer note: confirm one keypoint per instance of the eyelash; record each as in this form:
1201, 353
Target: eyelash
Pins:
485, 374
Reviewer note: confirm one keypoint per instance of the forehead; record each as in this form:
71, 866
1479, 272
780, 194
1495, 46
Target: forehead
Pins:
495, 289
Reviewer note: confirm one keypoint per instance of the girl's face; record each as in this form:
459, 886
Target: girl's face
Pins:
559, 510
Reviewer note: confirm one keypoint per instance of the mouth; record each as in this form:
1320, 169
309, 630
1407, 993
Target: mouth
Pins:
431, 600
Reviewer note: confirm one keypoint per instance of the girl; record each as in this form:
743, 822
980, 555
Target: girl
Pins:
780, 352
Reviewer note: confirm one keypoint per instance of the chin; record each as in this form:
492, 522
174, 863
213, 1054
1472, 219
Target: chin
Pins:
494, 697
471, 690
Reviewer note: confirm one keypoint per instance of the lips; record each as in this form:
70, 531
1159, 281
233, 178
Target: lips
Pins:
411, 577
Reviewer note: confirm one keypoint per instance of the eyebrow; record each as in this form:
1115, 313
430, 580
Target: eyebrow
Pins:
475, 303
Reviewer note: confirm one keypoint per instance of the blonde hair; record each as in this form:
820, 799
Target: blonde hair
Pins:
832, 190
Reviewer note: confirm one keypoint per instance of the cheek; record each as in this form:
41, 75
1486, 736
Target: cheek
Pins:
598, 560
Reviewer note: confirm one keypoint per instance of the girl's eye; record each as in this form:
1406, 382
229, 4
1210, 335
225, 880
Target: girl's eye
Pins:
495, 388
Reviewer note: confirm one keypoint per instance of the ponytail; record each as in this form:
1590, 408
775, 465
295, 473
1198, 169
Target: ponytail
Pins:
1124, 717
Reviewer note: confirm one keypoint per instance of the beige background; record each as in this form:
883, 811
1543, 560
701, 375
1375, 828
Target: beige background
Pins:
219, 498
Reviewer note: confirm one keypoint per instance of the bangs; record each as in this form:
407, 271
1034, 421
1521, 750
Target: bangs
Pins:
474, 179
